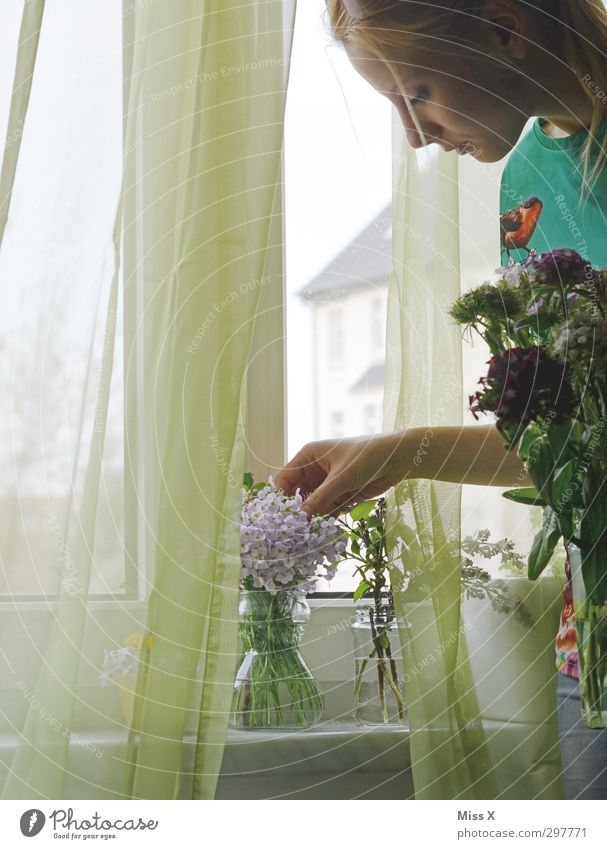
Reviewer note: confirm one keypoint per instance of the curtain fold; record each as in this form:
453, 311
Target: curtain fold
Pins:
457, 751
29, 35
163, 406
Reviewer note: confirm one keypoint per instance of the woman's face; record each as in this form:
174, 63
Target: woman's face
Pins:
460, 108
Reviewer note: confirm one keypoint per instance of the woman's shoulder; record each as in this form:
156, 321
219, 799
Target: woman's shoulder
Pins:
539, 153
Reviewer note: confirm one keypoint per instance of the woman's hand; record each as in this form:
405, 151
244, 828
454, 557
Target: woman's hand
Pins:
335, 474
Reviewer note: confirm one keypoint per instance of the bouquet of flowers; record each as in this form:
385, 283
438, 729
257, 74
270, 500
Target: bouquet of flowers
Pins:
283, 554
546, 327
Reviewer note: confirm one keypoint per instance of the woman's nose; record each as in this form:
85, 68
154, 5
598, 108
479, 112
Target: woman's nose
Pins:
431, 132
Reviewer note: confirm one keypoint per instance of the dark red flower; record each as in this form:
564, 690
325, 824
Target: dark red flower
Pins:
523, 384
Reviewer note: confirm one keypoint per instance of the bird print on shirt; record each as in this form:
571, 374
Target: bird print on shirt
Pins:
518, 224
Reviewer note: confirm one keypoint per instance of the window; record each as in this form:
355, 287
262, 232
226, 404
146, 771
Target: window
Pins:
338, 257
47, 399
338, 241
338, 188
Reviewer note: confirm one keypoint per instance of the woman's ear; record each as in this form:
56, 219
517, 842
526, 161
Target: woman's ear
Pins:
506, 28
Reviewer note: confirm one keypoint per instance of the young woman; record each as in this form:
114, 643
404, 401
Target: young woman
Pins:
467, 75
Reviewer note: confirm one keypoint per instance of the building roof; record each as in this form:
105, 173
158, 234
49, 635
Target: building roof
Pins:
366, 261
371, 379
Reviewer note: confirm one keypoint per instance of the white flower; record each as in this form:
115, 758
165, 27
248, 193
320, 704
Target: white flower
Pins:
511, 273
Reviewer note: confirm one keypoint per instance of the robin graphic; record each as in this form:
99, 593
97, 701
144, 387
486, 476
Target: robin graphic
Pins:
517, 225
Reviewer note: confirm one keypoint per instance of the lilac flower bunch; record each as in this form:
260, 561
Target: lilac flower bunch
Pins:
279, 547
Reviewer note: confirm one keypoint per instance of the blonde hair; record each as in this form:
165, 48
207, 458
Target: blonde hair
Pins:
574, 30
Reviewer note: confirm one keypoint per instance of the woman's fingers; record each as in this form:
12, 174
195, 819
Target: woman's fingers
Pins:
329, 499
305, 470
288, 479
335, 474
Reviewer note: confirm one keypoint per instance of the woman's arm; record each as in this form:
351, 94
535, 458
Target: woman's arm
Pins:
333, 474
470, 454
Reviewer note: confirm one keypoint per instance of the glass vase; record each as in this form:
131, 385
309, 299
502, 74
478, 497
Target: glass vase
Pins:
379, 695
274, 688
591, 638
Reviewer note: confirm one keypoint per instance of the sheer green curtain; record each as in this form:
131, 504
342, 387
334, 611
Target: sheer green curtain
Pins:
481, 704
158, 204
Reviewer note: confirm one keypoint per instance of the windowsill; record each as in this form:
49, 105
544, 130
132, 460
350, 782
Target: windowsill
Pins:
333, 760
337, 601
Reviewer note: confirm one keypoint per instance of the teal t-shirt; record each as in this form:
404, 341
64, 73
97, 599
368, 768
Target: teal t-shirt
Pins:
549, 170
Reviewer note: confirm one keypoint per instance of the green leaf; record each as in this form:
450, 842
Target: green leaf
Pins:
361, 590
362, 510
247, 480
525, 495
566, 524
544, 544
530, 435
564, 441
560, 485
374, 522
541, 467
355, 546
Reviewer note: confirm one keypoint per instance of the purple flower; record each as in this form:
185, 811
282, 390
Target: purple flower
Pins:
280, 548
560, 265
535, 306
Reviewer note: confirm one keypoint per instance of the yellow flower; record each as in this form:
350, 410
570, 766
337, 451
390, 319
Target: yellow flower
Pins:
135, 641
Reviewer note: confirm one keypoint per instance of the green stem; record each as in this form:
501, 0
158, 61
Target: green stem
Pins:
380, 666
279, 683
393, 681
593, 663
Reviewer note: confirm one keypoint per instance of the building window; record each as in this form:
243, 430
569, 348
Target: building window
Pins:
371, 419
377, 326
337, 424
336, 337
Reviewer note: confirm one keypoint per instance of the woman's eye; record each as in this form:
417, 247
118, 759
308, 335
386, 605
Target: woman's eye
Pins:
421, 97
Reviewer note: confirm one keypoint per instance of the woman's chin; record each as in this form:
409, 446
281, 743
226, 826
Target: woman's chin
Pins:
491, 153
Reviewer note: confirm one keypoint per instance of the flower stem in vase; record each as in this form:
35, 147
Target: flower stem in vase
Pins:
274, 688
592, 651
359, 678
380, 666
394, 680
